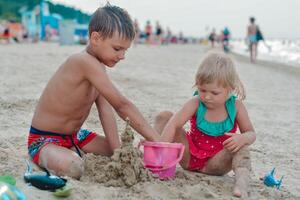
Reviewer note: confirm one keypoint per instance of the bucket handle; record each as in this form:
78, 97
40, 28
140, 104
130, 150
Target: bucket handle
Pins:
169, 165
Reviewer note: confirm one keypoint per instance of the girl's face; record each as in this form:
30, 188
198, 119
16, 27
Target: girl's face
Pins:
213, 94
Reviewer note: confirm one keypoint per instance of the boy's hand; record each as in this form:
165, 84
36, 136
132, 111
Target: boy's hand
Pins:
235, 142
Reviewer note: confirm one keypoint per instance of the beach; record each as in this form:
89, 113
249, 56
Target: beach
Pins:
157, 78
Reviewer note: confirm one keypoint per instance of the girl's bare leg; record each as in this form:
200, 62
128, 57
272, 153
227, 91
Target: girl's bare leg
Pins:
160, 122
241, 165
224, 161
61, 161
218, 165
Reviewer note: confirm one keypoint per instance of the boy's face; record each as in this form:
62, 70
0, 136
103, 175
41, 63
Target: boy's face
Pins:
110, 50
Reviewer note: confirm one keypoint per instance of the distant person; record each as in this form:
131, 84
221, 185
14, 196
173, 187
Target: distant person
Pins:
24, 33
225, 39
212, 37
168, 36
158, 33
148, 32
5, 33
48, 32
252, 33
137, 31
56, 139
82, 39
216, 112
181, 37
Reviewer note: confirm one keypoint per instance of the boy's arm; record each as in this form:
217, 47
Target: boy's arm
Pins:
247, 136
96, 74
108, 121
178, 120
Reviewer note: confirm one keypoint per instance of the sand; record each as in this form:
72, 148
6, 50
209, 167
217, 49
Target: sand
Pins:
155, 78
124, 168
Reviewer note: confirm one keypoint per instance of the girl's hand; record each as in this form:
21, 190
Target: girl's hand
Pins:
235, 142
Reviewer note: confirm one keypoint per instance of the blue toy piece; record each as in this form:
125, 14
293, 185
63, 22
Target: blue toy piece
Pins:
10, 192
44, 181
270, 181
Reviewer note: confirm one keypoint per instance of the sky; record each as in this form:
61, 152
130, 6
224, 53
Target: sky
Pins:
276, 18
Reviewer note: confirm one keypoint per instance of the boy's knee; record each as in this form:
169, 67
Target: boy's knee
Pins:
242, 158
71, 167
163, 116
75, 168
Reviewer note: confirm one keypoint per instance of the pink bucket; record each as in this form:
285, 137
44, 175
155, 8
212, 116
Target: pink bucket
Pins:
161, 157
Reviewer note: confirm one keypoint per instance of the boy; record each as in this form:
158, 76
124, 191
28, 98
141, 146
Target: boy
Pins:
56, 141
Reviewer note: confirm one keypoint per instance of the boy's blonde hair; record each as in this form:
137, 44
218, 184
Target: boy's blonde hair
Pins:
220, 67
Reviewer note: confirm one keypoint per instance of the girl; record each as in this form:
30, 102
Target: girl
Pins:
215, 113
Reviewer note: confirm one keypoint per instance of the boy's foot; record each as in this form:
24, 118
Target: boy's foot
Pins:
241, 183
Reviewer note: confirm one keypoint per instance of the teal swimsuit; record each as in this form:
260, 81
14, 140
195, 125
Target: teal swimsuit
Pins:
206, 138
216, 128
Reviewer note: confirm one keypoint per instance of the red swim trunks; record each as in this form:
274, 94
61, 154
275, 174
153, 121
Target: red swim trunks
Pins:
37, 139
203, 147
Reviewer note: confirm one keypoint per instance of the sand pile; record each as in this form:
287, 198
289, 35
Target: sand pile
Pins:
124, 168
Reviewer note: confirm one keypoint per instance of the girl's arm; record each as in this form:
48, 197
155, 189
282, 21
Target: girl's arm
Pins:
247, 136
178, 120
245, 125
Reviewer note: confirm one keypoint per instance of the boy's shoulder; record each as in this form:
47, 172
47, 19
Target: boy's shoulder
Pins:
83, 59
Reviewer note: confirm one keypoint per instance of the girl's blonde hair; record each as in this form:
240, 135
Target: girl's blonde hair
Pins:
220, 67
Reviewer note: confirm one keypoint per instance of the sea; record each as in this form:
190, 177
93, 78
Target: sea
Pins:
283, 51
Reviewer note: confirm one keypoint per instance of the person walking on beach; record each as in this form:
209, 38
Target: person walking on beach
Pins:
252, 31
215, 113
56, 139
168, 36
137, 31
148, 32
158, 33
225, 39
212, 37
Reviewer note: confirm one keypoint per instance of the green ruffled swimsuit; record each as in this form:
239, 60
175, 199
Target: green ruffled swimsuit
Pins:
217, 128
206, 138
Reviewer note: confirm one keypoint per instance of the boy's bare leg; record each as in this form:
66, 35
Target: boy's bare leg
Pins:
160, 122
98, 145
61, 161
241, 165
